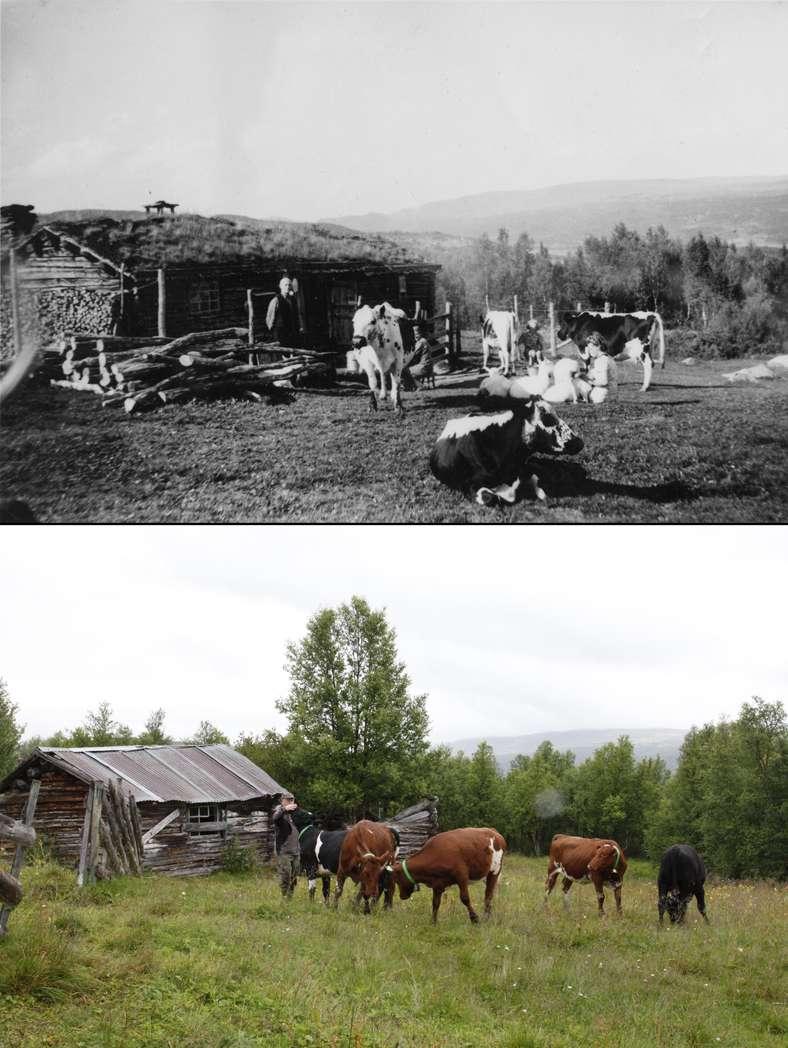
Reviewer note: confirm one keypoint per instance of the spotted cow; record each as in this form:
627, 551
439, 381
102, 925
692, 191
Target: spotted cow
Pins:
499, 332
377, 347
485, 455
625, 336
586, 859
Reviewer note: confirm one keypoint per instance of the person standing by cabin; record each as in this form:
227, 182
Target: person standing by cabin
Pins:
283, 317
288, 820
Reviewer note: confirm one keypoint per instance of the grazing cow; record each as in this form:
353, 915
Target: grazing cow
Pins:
377, 346
366, 855
499, 332
586, 858
484, 455
681, 875
320, 856
618, 330
454, 857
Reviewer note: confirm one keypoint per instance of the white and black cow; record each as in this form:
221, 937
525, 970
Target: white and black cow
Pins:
377, 346
626, 336
499, 332
681, 875
484, 455
320, 856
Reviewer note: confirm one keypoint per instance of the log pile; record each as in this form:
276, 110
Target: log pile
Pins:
119, 834
141, 374
415, 825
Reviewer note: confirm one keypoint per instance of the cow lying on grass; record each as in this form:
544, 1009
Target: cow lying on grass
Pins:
681, 875
584, 859
454, 857
366, 855
484, 455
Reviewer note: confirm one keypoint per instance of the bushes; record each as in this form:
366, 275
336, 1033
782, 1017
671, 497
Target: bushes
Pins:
237, 859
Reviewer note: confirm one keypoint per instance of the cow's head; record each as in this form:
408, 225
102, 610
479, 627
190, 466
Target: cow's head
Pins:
544, 431
376, 325
609, 860
566, 326
370, 872
676, 905
404, 883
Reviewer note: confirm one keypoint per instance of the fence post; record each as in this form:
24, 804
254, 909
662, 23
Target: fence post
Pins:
250, 313
530, 311
162, 320
516, 313
448, 329
579, 307
19, 854
487, 302
551, 312
417, 311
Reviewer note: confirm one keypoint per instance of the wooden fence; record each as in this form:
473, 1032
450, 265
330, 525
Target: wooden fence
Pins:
24, 835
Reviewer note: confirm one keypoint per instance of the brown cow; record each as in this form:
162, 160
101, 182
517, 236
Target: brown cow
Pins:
454, 857
367, 852
586, 858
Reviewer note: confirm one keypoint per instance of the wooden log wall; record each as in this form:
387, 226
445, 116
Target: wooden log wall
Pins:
60, 814
415, 825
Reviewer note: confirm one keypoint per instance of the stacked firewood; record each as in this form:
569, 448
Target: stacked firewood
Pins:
120, 834
146, 373
415, 825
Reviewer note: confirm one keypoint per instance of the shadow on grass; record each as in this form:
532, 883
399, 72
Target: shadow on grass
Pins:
567, 479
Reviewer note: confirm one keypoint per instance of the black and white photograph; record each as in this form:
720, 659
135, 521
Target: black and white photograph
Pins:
393, 262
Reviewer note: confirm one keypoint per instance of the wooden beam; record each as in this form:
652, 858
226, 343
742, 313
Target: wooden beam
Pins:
19, 855
162, 313
83, 846
11, 830
95, 819
160, 825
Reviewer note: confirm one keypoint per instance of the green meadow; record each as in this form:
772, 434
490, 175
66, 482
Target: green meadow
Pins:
224, 962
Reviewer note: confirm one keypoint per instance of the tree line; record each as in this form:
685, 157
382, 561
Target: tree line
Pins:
357, 745
735, 299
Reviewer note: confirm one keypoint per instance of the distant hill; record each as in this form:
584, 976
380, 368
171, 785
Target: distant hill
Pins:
736, 209
648, 742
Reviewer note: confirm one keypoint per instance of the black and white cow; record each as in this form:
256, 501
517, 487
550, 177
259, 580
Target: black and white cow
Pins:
681, 875
484, 455
626, 336
499, 332
320, 851
377, 348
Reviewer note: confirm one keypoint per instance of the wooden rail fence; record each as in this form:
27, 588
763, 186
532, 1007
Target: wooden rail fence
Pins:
25, 836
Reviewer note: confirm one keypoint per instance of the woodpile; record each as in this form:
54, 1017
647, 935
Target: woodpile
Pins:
141, 374
415, 825
118, 848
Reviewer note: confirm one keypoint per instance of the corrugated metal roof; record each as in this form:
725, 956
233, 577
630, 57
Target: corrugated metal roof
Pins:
193, 774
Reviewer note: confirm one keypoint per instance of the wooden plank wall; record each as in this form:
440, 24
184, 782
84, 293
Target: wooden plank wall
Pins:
59, 814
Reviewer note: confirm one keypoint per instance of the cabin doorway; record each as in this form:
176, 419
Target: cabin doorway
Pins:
342, 306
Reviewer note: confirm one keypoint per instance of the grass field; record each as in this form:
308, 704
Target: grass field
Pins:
223, 962
693, 448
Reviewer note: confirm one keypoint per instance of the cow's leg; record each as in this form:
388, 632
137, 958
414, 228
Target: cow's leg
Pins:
700, 898
312, 886
388, 895
396, 394
598, 883
485, 354
662, 903
466, 900
565, 886
617, 894
338, 889
553, 871
326, 889
437, 895
538, 492
489, 891
648, 367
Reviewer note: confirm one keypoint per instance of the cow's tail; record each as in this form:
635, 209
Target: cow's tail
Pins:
658, 320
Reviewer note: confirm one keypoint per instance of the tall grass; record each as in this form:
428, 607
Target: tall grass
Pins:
224, 961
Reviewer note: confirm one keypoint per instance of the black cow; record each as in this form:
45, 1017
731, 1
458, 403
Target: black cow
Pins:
626, 336
681, 875
320, 856
484, 455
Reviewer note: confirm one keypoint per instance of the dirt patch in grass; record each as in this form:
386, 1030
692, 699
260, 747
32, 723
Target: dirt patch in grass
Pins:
693, 448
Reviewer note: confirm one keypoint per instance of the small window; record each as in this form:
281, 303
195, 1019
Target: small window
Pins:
403, 286
204, 298
206, 819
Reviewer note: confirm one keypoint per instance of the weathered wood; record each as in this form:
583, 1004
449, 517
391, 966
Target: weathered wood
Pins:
160, 825
95, 819
10, 890
162, 302
18, 832
134, 812
115, 835
19, 854
195, 337
124, 823
83, 847
116, 863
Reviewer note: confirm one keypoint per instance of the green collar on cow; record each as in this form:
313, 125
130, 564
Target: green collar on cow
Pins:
308, 826
406, 871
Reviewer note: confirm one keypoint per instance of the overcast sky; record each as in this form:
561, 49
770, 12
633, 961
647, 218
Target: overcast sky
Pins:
305, 110
507, 630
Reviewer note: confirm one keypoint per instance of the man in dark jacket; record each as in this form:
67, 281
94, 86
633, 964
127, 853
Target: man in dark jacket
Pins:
283, 318
287, 817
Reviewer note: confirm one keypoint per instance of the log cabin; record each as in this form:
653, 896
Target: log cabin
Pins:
173, 275
124, 809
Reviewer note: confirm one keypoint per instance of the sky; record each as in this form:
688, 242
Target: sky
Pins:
506, 631
306, 111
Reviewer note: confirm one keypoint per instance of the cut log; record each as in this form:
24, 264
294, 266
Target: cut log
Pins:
195, 337
115, 835
126, 828
116, 863
11, 830
10, 890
